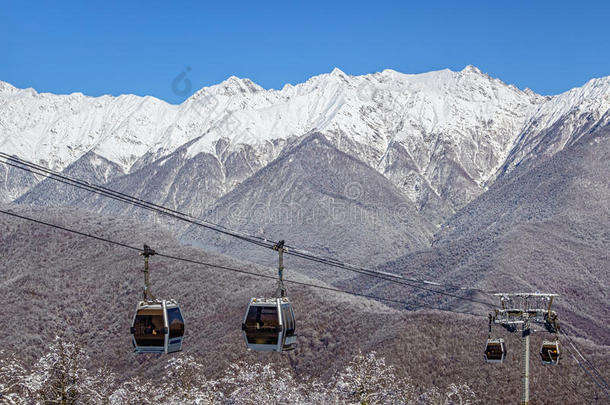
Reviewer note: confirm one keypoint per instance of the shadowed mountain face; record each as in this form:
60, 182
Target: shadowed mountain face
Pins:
57, 283
187, 184
570, 187
540, 229
14, 182
49, 193
319, 198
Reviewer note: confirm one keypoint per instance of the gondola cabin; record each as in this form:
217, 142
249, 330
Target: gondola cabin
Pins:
495, 351
549, 352
269, 325
158, 327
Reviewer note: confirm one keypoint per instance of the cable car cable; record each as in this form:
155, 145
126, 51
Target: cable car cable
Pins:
589, 363
579, 352
604, 389
267, 244
55, 175
347, 266
70, 230
573, 387
93, 189
263, 242
385, 275
40, 170
382, 276
207, 264
597, 376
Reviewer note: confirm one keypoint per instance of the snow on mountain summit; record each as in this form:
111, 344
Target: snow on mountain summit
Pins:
561, 121
471, 69
419, 130
234, 86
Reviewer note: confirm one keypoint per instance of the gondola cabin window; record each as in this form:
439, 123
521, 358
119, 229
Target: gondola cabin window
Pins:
149, 327
261, 325
176, 323
261, 317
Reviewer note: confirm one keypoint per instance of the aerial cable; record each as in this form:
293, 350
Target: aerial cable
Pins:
588, 373
579, 352
596, 372
401, 281
40, 170
350, 267
262, 242
99, 238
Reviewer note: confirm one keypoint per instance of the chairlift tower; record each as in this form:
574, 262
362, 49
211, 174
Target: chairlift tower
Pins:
522, 309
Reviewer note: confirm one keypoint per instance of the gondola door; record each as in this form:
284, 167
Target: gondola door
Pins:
175, 324
289, 338
149, 331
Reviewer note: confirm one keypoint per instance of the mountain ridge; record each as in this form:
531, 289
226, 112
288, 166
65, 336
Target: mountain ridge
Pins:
441, 137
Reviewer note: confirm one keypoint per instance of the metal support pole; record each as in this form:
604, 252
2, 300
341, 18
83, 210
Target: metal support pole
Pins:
525, 377
280, 269
146, 278
281, 290
148, 295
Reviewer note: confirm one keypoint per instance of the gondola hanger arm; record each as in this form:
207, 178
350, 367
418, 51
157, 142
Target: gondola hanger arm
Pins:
147, 252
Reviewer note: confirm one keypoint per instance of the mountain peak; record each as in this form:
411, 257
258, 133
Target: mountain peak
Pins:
471, 69
235, 85
337, 72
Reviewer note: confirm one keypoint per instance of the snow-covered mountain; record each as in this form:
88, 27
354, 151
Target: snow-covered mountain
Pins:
561, 122
440, 137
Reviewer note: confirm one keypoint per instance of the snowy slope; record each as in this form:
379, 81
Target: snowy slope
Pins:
561, 122
438, 136
58, 130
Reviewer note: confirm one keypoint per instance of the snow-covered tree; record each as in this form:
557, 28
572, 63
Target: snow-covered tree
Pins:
368, 380
261, 384
137, 391
186, 383
12, 380
59, 377
456, 394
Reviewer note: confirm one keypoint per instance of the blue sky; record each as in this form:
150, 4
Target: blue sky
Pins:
141, 47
